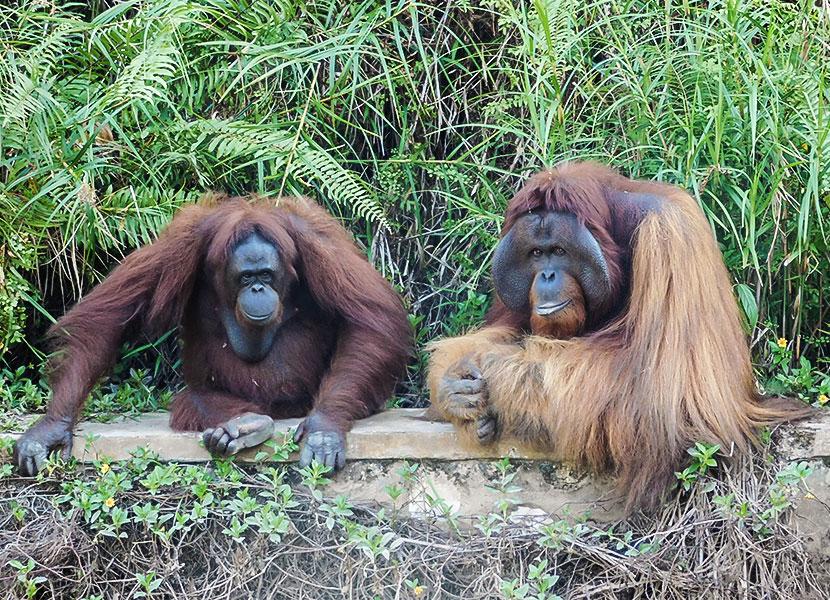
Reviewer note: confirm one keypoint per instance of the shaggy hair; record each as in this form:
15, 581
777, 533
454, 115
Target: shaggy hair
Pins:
342, 350
666, 366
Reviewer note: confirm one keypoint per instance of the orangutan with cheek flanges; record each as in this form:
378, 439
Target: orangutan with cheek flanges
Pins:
614, 340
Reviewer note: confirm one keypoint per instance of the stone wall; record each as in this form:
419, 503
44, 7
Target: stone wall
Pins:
379, 447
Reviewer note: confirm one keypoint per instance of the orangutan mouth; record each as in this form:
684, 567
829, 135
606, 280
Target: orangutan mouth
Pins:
545, 310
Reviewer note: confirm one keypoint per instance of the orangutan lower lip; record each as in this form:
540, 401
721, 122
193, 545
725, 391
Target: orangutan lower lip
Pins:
257, 318
545, 310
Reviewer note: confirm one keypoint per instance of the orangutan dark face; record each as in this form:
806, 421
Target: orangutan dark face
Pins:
550, 266
256, 285
256, 275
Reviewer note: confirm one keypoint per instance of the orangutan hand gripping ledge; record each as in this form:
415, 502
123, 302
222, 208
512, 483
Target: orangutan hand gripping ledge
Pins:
614, 340
281, 316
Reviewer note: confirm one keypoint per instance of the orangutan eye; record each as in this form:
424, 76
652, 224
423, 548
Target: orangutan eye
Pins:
247, 279
558, 251
536, 252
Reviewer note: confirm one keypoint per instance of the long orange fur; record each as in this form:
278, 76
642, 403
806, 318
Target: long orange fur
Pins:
671, 368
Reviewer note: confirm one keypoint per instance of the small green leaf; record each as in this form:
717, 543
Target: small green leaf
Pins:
748, 305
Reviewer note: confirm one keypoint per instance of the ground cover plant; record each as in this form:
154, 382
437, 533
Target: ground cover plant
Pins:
144, 529
413, 123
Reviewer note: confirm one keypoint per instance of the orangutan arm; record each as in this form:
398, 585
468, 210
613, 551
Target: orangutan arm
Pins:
458, 391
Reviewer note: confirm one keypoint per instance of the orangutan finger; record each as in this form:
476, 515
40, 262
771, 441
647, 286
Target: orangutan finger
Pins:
463, 386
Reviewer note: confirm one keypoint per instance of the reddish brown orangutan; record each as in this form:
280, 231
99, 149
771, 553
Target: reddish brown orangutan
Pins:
280, 314
614, 340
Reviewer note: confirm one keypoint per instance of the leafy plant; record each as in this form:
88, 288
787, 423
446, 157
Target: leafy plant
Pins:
703, 459
28, 582
149, 583
801, 380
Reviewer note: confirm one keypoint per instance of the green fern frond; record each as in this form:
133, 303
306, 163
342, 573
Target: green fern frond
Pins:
301, 159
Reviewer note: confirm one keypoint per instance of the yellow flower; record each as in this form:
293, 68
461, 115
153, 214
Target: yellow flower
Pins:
109, 502
805, 147
782, 342
105, 468
822, 399
418, 590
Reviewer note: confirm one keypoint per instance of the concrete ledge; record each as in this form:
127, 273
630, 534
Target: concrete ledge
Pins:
807, 440
396, 434
401, 433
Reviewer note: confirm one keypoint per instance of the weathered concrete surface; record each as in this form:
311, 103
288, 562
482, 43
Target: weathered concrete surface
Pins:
810, 441
545, 488
378, 447
402, 433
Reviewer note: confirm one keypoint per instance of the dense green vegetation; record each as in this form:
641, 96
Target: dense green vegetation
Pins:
413, 122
